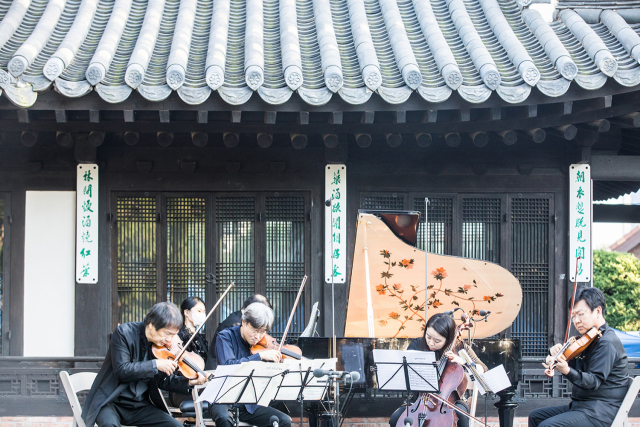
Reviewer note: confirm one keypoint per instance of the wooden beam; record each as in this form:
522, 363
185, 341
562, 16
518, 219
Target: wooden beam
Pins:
265, 140
165, 116
496, 113
627, 121
508, 137
203, 117
430, 116
23, 116
28, 139
423, 140
330, 140
532, 111
400, 116
368, 117
363, 140
270, 117
303, 118
600, 126
61, 116
129, 116
164, 138
452, 139
94, 116
230, 139
465, 114
236, 116
615, 168
199, 139
96, 138
393, 139
64, 139
298, 140
567, 132
480, 139
131, 138
616, 213
336, 118
567, 107
537, 135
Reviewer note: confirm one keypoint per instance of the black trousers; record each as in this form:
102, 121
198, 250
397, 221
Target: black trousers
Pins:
260, 418
560, 416
463, 420
114, 415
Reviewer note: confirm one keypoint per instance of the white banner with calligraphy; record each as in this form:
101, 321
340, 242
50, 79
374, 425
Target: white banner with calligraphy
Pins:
580, 221
87, 224
335, 224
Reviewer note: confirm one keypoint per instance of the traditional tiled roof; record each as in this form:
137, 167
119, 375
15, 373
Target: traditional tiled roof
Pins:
317, 48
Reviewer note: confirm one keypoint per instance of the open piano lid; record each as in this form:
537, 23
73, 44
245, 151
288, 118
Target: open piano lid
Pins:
397, 282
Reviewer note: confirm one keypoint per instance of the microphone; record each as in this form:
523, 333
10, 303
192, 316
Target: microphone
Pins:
408, 422
355, 376
450, 313
484, 313
274, 421
327, 202
319, 373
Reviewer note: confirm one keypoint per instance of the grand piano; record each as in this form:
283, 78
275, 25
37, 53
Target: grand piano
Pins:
395, 287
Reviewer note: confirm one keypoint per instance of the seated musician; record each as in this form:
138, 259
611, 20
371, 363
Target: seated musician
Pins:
233, 347
128, 381
599, 374
439, 334
234, 319
193, 315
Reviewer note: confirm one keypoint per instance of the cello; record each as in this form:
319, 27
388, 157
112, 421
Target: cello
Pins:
438, 410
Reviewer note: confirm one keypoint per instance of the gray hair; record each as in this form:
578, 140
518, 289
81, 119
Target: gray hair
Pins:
258, 315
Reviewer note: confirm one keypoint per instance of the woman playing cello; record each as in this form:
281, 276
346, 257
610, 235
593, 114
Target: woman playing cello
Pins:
439, 335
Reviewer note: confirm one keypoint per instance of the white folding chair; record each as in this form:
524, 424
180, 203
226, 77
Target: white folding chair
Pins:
622, 417
200, 418
74, 384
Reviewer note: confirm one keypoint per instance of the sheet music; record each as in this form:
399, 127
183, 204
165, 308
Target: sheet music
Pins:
314, 388
497, 379
423, 376
230, 379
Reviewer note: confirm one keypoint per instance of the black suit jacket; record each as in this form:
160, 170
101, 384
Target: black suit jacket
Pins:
123, 365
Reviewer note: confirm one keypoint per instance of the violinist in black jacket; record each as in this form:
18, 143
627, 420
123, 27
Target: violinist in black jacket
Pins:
599, 375
128, 382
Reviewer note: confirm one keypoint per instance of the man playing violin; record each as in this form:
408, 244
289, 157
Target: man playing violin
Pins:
599, 375
129, 379
233, 346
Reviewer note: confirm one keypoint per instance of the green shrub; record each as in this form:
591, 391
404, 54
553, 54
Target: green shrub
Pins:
618, 276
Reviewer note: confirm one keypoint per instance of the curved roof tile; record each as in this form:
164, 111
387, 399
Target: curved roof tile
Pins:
314, 47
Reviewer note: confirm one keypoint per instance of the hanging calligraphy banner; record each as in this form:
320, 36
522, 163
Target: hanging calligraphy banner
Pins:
580, 215
87, 224
335, 225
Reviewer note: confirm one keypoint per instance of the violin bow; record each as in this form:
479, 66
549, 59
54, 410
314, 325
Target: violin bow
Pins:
184, 347
295, 305
573, 300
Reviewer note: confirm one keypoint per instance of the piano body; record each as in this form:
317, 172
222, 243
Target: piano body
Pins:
387, 298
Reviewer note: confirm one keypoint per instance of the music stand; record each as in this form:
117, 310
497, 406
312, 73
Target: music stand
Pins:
241, 384
407, 371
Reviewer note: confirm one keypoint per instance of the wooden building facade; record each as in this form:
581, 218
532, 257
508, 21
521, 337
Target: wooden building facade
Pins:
198, 189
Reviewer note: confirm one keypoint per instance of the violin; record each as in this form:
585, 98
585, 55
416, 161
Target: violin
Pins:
189, 365
572, 348
438, 409
269, 343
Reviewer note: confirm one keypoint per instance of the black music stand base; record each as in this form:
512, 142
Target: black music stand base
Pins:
506, 407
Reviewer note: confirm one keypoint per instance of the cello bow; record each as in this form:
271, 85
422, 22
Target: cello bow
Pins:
293, 310
184, 347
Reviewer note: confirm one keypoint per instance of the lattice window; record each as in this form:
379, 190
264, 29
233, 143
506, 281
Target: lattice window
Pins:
383, 202
185, 248
136, 246
439, 239
481, 229
1, 265
285, 255
235, 254
530, 264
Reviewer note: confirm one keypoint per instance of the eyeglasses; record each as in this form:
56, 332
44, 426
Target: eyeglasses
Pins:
580, 315
256, 332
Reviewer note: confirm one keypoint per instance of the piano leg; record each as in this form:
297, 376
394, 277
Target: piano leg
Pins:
506, 407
